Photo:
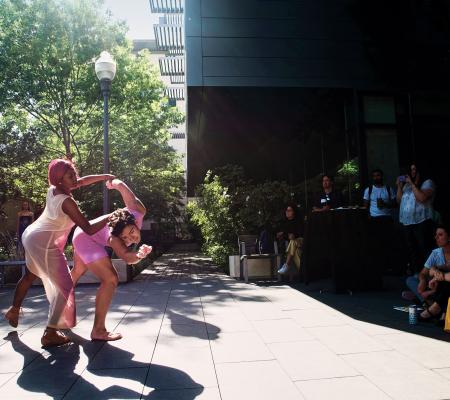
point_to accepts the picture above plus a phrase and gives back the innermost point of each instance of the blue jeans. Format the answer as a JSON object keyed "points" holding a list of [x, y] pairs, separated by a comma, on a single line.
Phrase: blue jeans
{"points": [[413, 282]]}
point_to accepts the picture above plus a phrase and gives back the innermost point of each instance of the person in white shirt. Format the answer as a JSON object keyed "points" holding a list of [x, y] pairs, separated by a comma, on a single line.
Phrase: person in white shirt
{"points": [[415, 195], [380, 200]]}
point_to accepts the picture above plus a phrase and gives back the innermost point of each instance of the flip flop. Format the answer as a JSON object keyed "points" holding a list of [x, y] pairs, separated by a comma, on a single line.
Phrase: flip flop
{"points": [[50, 339], [106, 336]]}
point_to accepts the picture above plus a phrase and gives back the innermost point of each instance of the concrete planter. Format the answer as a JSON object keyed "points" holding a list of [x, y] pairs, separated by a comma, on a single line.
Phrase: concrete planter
{"points": [[124, 271], [256, 267]]}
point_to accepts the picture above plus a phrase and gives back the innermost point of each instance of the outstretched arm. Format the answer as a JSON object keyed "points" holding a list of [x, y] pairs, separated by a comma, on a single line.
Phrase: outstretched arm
{"points": [[129, 198], [90, 179], [127, 255], [71, 209]]}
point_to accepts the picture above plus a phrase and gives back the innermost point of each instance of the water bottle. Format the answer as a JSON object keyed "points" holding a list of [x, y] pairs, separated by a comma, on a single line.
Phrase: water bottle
{"points": [[412, 315]]}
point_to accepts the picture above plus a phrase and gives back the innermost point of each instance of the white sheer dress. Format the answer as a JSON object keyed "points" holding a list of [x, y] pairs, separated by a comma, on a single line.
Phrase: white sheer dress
{"points": [[44, 242]]}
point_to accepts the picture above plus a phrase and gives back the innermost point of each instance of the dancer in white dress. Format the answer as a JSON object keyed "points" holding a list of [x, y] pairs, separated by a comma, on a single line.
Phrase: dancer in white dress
{"points": [[44, 242]]}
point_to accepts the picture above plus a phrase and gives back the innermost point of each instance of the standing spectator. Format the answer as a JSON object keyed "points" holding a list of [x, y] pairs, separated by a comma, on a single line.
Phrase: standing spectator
{"points": [[292, 232], [415, 194], [24, 218], [328, 198], [380, 199]]}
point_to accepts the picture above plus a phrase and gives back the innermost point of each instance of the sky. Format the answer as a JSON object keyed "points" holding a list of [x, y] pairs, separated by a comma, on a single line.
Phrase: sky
{"points": [[137, 15]]}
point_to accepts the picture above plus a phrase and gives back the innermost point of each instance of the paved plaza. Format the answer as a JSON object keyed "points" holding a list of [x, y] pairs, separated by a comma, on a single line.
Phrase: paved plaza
{"points": [[191, 332]]}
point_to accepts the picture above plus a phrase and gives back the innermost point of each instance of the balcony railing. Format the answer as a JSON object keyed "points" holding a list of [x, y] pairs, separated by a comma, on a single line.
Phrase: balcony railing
{"points": [[167, 6], [171, 66], [178, 135], [174, 93], [169, 38], [174, 79]]}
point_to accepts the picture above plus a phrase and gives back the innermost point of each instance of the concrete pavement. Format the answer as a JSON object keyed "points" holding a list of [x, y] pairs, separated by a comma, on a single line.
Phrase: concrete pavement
{"points": [[191, 332]]}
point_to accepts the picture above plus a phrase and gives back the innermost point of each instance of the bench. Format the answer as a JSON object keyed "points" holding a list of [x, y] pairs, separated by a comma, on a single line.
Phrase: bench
{"points": [[14, 263], [124, 271], [248, 252]]}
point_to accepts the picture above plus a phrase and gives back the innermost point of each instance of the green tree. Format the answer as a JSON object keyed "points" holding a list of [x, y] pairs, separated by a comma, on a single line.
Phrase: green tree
{"points": [[47, 53]]}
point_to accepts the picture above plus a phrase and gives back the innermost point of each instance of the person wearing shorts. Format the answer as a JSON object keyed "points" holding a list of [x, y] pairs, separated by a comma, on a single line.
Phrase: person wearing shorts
{"points": [[122, 231]]}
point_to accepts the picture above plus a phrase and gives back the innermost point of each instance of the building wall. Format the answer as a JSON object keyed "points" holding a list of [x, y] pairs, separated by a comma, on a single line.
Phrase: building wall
{"points": [[274, 43], [290, 89]]}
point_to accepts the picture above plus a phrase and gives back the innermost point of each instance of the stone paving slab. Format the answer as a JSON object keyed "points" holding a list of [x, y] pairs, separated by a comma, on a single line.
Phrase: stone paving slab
{"points": [[191, 332]]}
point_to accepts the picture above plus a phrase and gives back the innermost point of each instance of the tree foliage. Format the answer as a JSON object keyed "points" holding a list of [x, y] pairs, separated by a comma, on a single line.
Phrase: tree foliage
{"points": [[47, 53]]}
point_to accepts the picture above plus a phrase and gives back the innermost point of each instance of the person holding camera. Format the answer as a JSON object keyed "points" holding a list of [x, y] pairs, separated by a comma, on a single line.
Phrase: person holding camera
{"points": [[415, 194], [380, 200]]}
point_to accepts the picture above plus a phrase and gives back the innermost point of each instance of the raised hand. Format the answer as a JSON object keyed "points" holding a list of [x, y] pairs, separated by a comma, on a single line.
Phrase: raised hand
{"points": [[144, 251], [113, 183]]}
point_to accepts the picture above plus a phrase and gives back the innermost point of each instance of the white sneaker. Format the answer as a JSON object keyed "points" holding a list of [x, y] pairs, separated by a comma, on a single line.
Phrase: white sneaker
{"points": [[283, 269]]}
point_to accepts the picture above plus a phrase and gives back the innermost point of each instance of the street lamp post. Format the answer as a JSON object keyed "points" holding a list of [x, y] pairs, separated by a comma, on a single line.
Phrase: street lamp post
{"points": [[105, 68]]}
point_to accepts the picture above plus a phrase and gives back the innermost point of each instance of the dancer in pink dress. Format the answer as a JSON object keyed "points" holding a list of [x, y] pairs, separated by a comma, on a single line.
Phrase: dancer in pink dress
{"points": [[122, 231], [44, 242]]}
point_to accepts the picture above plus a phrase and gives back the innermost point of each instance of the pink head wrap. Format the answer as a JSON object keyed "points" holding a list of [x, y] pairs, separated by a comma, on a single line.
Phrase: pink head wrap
{"points": [[56, 170]]}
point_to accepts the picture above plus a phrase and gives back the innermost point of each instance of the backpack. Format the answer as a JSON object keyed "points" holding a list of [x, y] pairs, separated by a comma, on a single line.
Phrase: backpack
{"points": [[265, 242]]}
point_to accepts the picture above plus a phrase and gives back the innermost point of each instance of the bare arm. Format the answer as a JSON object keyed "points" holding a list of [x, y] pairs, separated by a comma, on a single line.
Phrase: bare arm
{"points": [[423, 277], [127, 255], [71, 209], [129, 198], [90, 179], [422, 195]]}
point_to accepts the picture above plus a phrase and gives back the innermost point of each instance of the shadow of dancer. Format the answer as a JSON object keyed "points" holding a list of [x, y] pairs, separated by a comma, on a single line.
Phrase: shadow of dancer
{"points": [[156, 380], [185, 326], [53, 371]]}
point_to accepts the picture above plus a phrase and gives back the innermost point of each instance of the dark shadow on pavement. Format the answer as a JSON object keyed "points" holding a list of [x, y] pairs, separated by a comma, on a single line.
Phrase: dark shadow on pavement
{"points": [[53, 373], [179, 322], [375, 307], [153, 376]]}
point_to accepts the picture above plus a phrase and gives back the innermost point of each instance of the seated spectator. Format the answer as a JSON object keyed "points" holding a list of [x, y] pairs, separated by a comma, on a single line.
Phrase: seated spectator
{"points": [[292, 232], [439, 258], [437, 267], [380, 199], [328, 198]]}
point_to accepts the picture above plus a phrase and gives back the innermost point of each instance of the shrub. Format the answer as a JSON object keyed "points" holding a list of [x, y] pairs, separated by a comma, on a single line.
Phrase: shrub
{"points": [[228, 204]]}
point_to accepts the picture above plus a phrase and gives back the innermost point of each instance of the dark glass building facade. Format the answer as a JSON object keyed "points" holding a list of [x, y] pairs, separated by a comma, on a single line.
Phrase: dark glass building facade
{"points": [[291, 89]]}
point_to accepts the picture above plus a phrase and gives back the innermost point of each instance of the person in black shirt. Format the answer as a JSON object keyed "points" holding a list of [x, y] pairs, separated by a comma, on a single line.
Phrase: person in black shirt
{"points": [[328, 198], [291, 231]]}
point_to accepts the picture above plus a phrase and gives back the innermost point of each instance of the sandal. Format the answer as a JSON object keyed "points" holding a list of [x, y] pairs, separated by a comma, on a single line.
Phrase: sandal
{"points": [[431, 316], [106, 336], [54, 338], [12, 315]]}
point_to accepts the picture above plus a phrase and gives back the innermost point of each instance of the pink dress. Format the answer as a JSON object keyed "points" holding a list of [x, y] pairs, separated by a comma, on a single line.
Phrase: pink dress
{"points": [[91, 248], [44, 242]]}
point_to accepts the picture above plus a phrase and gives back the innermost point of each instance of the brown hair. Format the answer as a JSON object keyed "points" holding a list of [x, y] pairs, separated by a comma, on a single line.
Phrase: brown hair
{"points": [[119, 219]]}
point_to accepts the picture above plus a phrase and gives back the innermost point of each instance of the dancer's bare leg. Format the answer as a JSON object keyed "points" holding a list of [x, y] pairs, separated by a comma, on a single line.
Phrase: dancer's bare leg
{"points": [[22, 287], [109, 280], [79, 268]]}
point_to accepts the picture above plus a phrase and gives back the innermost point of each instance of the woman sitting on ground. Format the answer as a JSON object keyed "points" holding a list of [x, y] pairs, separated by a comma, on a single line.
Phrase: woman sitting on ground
{"points": [[437, 267]]}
